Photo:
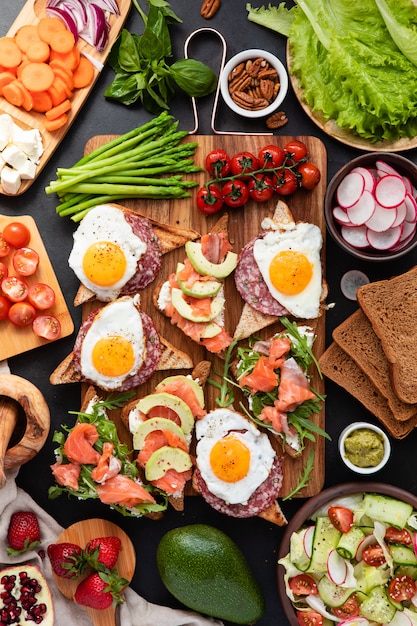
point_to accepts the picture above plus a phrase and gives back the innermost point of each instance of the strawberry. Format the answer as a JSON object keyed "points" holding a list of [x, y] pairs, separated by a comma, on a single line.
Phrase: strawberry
{"points": [[23, 533], [66, 559], [100, 590], [105, 550]]}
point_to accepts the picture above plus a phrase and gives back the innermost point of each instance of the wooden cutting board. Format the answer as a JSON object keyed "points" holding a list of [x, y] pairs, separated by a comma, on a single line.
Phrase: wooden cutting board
{"points": [[244, 223]]}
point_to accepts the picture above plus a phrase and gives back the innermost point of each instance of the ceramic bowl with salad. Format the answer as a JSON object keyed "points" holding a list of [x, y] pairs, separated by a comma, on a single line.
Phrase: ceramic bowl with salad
{"points": [[348, 557], [370, 206]]}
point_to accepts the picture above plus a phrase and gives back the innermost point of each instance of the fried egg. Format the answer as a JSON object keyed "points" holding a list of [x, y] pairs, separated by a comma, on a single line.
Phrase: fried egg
{"points": [[289, 261], [105, 252], [114, 346], [233, 456]]}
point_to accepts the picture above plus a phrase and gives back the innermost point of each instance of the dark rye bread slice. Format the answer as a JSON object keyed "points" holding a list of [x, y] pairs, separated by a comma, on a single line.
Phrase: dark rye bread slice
{"points": [[357, 337], [339, 367], [391, 307]]}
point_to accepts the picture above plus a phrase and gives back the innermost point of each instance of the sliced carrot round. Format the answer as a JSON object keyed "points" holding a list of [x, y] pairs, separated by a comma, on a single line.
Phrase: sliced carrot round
{"points": [[26, 35], [6, 78], [27, 100], [61, 108], [38, 51], [13, 94], [10, 55], [37, 76], [48, 26], [42, 101], [84, 73], [58, 122], [62, 41]]}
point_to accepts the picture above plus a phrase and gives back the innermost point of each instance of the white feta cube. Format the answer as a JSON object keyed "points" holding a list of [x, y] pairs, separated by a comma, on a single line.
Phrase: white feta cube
{"points": [[28, 170], [10, 180], [14, 157], [29, 142], [6, 130]]}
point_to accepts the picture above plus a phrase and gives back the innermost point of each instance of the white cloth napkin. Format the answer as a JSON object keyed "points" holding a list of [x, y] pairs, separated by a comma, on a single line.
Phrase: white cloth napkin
{"points": [[136, 611]]}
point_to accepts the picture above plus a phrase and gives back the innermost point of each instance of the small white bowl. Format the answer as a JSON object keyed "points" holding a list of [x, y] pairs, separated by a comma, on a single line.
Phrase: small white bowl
{"points": [[241, 57], [363, 426]]}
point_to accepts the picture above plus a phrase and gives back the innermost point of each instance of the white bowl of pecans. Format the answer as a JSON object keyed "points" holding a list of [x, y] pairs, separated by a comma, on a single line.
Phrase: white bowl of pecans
{"points": [[254, 83]]}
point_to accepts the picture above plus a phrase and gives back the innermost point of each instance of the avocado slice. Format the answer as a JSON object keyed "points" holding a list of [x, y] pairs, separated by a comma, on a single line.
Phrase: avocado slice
{"points": [[186, 311], [170, 401], [205, 570], [166, 458], [206, 267], [188, 381], [200, 289], [155, 423]]}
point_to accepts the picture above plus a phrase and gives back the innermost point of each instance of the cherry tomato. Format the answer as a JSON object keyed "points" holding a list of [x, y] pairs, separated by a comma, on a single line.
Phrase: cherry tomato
{"points": [[16, 234], [286, 183], [296, 151], [21, 314], [349, 609], [209, 199], [373, 555], [4, 272], [310, 175], [4, 247], [303, 585], [402, 588], [47, 327], [25, 261], [261, 188], [5, 305], [397, 535], [235, 193], [310, 618], [41, 296], [218, 163], [341, 517], [15, 288], [271, 156], [243, 163]]}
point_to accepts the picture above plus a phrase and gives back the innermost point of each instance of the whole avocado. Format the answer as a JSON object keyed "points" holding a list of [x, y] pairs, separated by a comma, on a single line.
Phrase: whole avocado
{"points": [[206, 571]]}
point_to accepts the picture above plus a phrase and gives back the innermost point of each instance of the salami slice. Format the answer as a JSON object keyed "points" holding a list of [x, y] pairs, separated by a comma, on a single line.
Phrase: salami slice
{"points": [[262, 498], [150, 262], [251, 285]]}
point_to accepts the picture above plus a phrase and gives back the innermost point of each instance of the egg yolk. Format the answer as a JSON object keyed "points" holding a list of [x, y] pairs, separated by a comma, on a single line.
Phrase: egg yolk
{"points": [[104, 263], [230, 459], [290, 272], [113, 356]]}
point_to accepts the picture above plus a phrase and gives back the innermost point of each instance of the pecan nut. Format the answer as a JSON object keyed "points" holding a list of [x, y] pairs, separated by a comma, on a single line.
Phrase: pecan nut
{"points": [[253, 84], [209, 8], [276, 120]]}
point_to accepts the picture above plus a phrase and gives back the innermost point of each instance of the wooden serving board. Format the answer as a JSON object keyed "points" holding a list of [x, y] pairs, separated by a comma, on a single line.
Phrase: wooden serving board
{"points": [[31, 13], [244, 224], [14, 339], [81, 533]]}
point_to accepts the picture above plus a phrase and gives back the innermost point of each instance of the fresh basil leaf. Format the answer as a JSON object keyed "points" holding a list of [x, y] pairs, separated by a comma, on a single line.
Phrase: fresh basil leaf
{"points": [[126, 88], [150, 47], [158, 25], [129, 56], [165, 9], [193, 77]]}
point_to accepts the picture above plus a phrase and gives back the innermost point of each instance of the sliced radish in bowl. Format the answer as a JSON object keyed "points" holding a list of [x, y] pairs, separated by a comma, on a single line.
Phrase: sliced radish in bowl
{"points": [[386, 240], [350, 189], [336, 568], [360, 212], [390, 191]]}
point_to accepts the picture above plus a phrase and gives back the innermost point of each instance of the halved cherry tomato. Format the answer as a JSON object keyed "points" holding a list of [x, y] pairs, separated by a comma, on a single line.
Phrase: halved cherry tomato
{"points": [[349, 609], [16, 234], [41, 296], [261, 188], [209, 199], [243, 163], [373, 555], [310, 175], [4, 272], [47, 327], [296, 151], [25, 261], [21, 314], [341, 517], [271, 156], [15, 288], [4, 247], [303, 585], [218, 163], [402, 588], [286, 183], [235, 193], [310, 618], [398, 535], [5, 305]]}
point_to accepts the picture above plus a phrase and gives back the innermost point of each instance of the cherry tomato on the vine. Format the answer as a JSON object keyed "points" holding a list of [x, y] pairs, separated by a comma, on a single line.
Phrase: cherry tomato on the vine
{"points": [[261, 187], [47, 327], [218, 163], [243, 163], [310, 175], [303, 585], [21, 314], [271, 156], [402, 588], [310, 618], [235, 193], [296, 150], [286, 182], [349, 609], [16, 234], [209, 199], [5, 305], [25, 261]]}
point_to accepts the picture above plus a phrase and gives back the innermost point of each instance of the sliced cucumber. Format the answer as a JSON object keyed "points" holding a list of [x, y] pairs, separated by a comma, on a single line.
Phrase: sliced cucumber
{"points": [[403, 555], [331, 594], [326, 538], [298, 555], [377, 608], [406, 570], [349, 542], [388, 510]]}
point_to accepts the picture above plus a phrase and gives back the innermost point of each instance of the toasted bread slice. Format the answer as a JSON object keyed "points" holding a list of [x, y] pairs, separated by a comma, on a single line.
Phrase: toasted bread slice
{"points": [[170, 237]]}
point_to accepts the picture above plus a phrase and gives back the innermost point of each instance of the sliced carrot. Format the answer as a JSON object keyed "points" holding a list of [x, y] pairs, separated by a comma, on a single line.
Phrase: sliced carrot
{"points": [[27, 100], [48, 26], [5, 79], [42, 101], [57, 111], [10, 55], [38, 51], [58, 122], [62, 41], [64, 75], [84, 73], [61, 85], [26, 35], [70, 59], [57, 94], [37, 76], [13, 94], [20, 68]]}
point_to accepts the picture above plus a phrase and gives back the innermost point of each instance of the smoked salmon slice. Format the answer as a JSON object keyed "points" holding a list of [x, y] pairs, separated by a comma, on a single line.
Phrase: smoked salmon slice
{"points": [[215, 246], [107, 466], [294, 388], [262, 378], [78, 446], [173, 481], [124, 491], [179, 387], [155, 440], [66, 474]]}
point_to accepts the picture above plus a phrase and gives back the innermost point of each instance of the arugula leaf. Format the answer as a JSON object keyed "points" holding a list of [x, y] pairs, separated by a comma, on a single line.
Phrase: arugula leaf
{"points": [[304, 477]]}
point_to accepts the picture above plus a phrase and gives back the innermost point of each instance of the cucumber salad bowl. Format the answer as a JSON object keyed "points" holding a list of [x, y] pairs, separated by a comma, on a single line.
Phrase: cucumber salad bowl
{"points": [[348, 558]]}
